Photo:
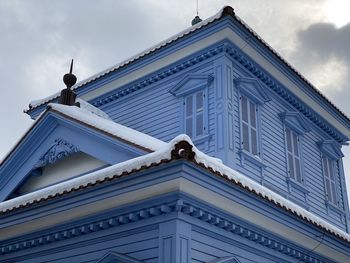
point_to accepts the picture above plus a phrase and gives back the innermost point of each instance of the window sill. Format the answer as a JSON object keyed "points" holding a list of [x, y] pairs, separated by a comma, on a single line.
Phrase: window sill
{"points": [[334, 207], [297, 185], [251, 158], [202, 138]]}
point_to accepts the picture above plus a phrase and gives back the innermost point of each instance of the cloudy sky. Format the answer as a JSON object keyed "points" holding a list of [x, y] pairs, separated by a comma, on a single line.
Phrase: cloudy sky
{"points": [[39, 37]]}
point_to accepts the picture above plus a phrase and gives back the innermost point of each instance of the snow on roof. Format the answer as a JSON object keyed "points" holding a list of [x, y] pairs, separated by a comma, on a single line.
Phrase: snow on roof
{"points": [[165, 154], [92, 109], [98, 119], [85, 115]]}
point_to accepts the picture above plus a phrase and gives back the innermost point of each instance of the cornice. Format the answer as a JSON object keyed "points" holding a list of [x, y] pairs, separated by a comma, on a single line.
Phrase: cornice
{"points": [[180, 206]]}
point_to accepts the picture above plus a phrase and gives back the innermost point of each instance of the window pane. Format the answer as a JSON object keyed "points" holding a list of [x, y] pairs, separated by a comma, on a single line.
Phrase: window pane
{"points": [[325, 167], [252, 114], [297, 170], [295, 144], [254, 142], [199, 101], [289, 141], [244, 107], [199, 124], [291, 166], [189, 106], [328, 190], [189, 127], [330, 167], [245, 137], [334, 199]]}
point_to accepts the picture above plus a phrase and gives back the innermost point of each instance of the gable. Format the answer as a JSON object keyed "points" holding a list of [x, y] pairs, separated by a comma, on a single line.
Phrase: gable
{"points": [[57, 148]]}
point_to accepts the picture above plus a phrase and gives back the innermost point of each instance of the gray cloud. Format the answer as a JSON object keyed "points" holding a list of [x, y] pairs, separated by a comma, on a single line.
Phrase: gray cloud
{"points": [[323, 40]]}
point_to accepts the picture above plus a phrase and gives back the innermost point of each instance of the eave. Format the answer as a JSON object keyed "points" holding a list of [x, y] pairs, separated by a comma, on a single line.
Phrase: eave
{"points": [[180, 148]]}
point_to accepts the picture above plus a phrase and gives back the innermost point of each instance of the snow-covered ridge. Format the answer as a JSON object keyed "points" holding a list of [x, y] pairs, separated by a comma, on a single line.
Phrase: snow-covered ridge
{"points": [[164, 153]]}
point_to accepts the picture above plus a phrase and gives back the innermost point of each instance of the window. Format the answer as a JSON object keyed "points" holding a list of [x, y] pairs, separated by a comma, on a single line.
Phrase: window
{"points": [[295, 127], [329, 179], [192, 92], [293, 155], [252, 96], [194, 114], [331, 155], [249, 133]]}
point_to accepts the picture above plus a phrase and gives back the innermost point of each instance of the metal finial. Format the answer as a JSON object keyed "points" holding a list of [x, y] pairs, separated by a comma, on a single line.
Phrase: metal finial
{"points": [[67, 95], [70, 79], [71, 67]]}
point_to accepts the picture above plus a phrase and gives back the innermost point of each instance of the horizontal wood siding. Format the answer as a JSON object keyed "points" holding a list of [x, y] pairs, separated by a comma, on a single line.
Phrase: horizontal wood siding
{"points": [[155, 111]]}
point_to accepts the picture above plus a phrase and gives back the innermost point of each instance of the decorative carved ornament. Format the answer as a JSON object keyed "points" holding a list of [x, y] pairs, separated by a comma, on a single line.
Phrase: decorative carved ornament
{"points": [[57, 151]]}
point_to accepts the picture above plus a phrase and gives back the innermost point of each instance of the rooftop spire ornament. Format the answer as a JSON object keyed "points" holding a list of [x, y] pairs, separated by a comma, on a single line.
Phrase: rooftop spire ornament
{"points": [[67, 95], [196, 19]]}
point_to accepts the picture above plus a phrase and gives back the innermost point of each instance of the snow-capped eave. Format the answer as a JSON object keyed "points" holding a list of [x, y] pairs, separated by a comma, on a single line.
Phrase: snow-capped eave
{"points": [[180, 147], [226, 11]]}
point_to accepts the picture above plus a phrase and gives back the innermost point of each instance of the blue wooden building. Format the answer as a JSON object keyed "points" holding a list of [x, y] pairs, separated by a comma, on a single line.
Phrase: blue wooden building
{"points": [[111, 176]]}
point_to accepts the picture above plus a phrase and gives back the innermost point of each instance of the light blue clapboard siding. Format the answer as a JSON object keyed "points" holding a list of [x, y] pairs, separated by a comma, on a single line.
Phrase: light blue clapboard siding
{"points": [[155, 111]]}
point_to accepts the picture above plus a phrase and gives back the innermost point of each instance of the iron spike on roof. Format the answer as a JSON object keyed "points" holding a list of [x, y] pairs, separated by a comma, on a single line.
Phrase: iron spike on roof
{"points": [[67, 95]]}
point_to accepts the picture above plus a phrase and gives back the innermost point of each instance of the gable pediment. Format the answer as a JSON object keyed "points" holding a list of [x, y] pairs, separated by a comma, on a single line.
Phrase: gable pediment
{"points": [[253, 89], [191, 83], [295, 121], [57, 148], [331, 149]]}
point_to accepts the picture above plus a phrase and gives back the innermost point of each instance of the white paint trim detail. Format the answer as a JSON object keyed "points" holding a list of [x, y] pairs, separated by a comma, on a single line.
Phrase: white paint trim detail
{"points": [[185, 186]]}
